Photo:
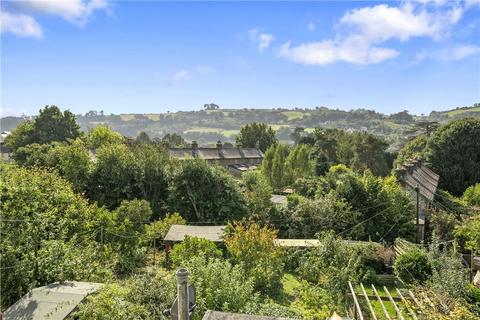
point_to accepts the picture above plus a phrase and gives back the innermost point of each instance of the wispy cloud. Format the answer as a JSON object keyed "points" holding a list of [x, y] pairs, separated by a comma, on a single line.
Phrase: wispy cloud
{"points": [[20, 25], [362, 33], [180, 77], [263, 40], [311, 26], [204, 69], [453, 53], [21, 21]]}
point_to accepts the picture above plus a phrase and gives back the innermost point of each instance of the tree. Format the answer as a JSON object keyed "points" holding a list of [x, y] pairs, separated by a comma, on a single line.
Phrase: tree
{"points": [[219, 285], [415, 148], [21, 136], [45, 228], [402, 117], [53, 125], [100, 136], [73, 163], [454, 154], [273, 166], [413, 266], [299, 164], [258, 195], [297, 134], [113, 177], [203, 192], [191, 247], [471, 196], [143, 138], [254, 247], [256, 134], [173, 140]]}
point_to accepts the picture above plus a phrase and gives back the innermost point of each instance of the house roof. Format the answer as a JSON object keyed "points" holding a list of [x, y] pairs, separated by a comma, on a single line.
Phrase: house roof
{"points": [[3, 135], [242, 167], [416, 173], [216, 153], [54, 301], [217, 315], [178, 232]]}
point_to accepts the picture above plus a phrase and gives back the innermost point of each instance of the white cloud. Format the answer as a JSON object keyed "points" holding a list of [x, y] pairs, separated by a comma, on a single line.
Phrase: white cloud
{"points": [[21, 21], [263, 40], [311, 26], [454, 53], [180, 77], [20, 25], [361, 33], [77, 12], [326, 52]]}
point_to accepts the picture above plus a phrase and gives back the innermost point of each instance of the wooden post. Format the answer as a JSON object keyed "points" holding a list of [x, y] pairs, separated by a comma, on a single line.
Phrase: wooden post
{"points": [[417, 224], [182, 294], [357, 305], [374, 316], [101, 235]]}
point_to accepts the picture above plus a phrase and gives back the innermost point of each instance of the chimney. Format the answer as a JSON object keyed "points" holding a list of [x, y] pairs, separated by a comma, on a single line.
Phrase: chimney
{"points": [[219, 144], [194, 144]]}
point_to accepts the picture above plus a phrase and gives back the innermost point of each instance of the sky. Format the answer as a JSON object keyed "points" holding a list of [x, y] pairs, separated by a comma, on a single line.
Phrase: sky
{"points": [[153, 57]]}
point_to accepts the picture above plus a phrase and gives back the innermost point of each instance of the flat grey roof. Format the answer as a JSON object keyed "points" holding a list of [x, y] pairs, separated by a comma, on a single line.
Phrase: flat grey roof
{"points": [[178, 232], [54, 301]]}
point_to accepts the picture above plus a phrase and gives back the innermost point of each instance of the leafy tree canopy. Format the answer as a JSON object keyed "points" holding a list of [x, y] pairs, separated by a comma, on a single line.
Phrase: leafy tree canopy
{"points": [[256, 134]]}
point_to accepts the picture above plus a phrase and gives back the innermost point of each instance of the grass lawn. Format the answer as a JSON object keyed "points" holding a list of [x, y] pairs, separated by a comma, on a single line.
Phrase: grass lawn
{"points": [[230, 133], [204, 129], [127, 117]]}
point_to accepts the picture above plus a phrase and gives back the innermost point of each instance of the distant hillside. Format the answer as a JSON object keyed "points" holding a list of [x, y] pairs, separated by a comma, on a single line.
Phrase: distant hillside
{"points": [[209, 126]]}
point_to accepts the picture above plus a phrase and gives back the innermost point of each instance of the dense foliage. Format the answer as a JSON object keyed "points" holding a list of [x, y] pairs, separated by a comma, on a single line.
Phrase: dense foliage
{"points": [[255, 135]]}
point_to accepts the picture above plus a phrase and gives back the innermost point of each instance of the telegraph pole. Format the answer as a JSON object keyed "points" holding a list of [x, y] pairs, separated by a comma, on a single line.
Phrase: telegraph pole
{"points": [[417, 238], [182, 294]]}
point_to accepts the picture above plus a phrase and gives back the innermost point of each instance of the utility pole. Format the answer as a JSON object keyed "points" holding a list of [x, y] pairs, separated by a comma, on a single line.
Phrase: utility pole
{"points": [[417, 238], [182, 294]]}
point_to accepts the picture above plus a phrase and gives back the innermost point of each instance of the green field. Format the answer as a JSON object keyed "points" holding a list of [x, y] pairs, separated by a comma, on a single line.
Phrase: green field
{"points": [[460, 111], [292, 115]]}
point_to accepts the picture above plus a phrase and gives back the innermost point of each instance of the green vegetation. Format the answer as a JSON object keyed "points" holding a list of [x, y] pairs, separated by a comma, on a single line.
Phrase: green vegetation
{"points": [[96, 207]]}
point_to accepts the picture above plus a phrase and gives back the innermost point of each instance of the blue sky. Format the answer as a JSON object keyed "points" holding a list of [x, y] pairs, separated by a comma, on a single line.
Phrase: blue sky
{"points": [[151, 57]]}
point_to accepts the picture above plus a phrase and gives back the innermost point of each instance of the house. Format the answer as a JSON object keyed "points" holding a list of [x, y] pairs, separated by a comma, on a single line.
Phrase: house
{"points": [[419, 180], [236, 160], [55, 301], [5, 153]]}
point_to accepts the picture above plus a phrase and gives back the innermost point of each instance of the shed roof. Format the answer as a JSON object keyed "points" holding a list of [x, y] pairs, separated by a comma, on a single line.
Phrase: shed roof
{"points": [[416, 173], [278, 199], [217, 315], [299, 243], [54, 301], [178, 232]]}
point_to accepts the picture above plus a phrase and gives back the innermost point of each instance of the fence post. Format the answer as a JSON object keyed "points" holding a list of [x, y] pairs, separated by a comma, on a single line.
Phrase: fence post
{"points": [[182, 294]]}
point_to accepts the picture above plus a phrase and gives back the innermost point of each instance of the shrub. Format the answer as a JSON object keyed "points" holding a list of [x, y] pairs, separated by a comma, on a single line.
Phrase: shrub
{"points": [[254, 247], [193, 247], [413, 266]]}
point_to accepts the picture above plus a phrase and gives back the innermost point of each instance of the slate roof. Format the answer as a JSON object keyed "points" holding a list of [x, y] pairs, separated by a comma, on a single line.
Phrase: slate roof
{"points": [[216, 153], [178, 232], [217, 315], [416, 173], [3, 135], [54, 301]]}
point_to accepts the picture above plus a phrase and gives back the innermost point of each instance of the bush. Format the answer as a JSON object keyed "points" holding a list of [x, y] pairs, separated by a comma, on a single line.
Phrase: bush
{"points": [[413, 266], [193, 247], [254, 247], [219, 285]]}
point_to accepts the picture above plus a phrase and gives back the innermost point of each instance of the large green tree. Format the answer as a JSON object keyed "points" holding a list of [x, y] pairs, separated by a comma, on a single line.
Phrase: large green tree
{"points": [[203, 192], [454, 153], [256, 134]]}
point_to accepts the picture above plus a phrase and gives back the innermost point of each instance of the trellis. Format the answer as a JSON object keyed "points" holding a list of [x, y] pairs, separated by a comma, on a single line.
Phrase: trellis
{"points": [[404, 304]]}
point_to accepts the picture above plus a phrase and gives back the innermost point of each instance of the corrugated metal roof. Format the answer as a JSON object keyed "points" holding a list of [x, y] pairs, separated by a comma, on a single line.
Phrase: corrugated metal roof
{"points": [[417, 173], [217, 315], [55, 301], [178, 232]]}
